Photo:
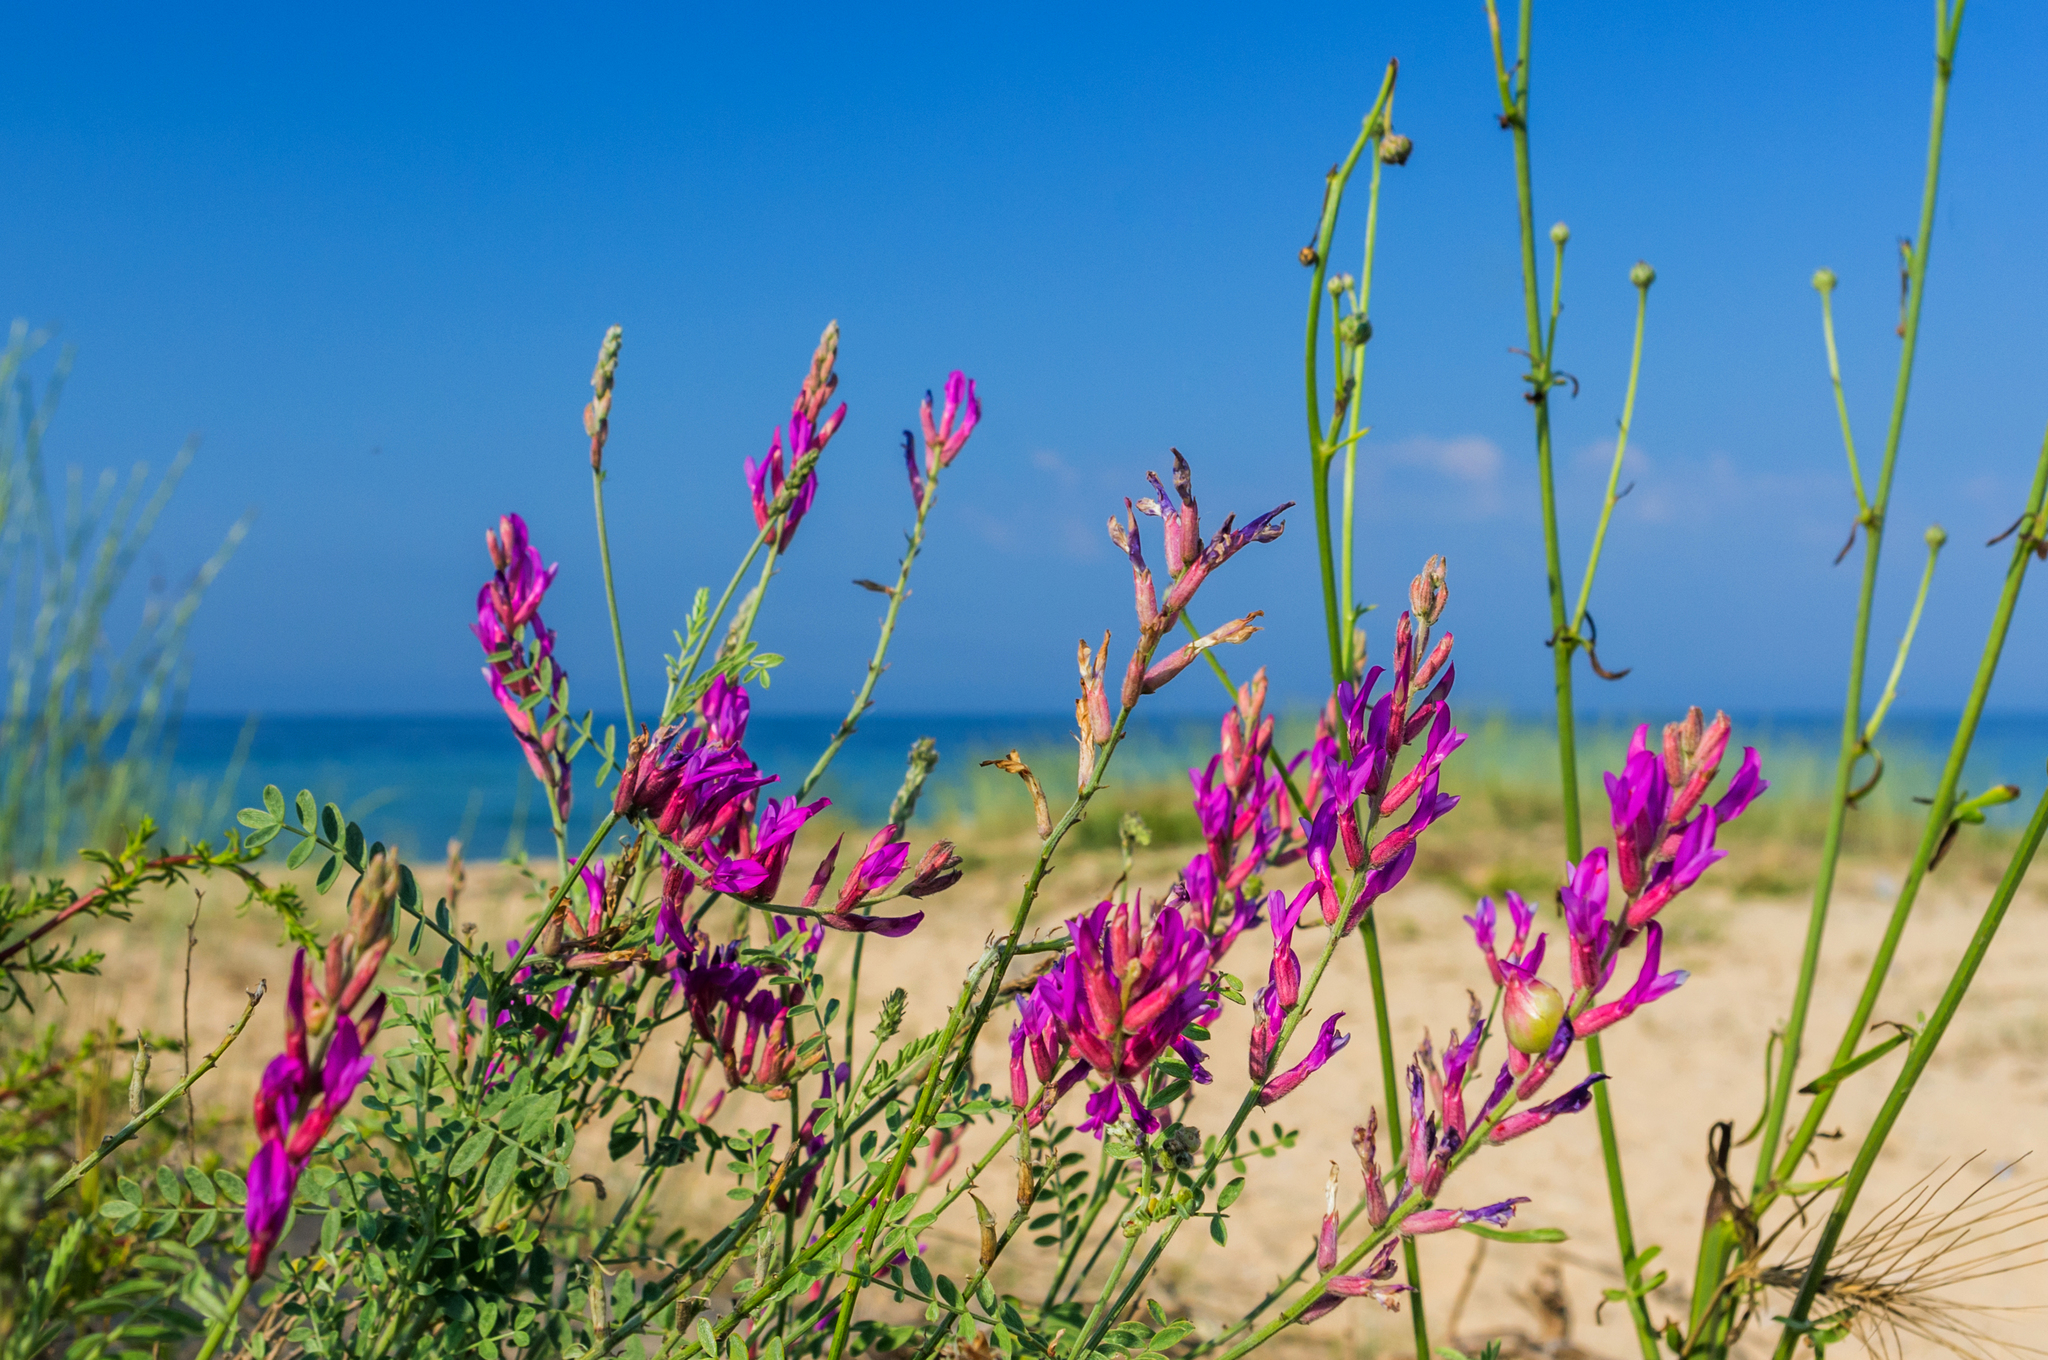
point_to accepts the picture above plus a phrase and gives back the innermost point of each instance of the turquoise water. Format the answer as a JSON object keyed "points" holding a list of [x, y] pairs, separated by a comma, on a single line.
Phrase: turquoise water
{"points": [[419, 780]]}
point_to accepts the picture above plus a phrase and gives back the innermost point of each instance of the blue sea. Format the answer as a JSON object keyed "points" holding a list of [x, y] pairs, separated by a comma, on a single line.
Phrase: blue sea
{"points": [[421, 780]]}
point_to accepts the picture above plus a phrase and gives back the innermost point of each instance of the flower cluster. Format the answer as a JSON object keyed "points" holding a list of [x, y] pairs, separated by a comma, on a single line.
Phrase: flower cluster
{"points": [[1278, 998], [808, 432], [325, 1056], [723, 993], [1114, 1003], [943, 438], [1355, 786], [1241, 806], [1189, 563], [519, 650], [1664, 831]]}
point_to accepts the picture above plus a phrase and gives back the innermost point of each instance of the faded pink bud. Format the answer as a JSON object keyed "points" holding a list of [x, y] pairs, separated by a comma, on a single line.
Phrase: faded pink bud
{"points": [[1237, 630]]}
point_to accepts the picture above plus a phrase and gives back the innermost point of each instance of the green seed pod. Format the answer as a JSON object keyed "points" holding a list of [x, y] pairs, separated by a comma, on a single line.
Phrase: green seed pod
{"points": [[1642, 276], [1824, 280], [1559, 234]]}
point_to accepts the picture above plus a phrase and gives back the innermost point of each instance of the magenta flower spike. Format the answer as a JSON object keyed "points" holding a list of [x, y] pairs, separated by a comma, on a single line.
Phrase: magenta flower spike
{"points": [[519, 653], [304, 1088], [944, 440], [1123, 995], [805, 434], [724, 709]]}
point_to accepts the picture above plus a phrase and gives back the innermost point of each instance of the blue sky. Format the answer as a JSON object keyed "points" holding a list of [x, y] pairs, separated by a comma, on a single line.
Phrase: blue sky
{"points": [[368, 253]]}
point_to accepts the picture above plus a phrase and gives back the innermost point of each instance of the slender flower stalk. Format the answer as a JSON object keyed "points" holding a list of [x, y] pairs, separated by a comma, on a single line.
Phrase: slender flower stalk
{"points": [[1542, 378], [1948, 24], [597, 424], [943, 441]]}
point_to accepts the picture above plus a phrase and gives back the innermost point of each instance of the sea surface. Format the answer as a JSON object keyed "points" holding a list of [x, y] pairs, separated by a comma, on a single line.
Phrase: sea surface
{"points": [[421, 780]]}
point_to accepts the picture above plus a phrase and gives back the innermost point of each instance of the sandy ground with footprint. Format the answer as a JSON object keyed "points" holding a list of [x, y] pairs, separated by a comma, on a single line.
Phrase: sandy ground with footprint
{"points": [[1686, 1062]]}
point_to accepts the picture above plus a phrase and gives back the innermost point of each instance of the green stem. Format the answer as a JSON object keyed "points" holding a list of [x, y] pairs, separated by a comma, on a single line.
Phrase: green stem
{"points": [[611, 597], [1827, 330], [1917, 1058], [1318, 441], [1106, 1173], [229, 1311], [1514, 90], [1369, 935], [2028, 538], [1084, 1340], [1948, 26], [1935, 538], [862, 700], [170, 1097], [1628, 412]]}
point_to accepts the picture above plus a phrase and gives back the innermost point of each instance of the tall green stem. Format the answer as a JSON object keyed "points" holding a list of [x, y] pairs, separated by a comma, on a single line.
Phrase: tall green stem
{"points": [[1337, 598], [2029, 538], [611, 596], [1949, 14], [1321, 441], [1917, 1058], [862, 700], [1514, 93]]}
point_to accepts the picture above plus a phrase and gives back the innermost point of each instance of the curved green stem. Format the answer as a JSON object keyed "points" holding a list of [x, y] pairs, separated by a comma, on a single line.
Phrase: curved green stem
{"points": [[863, 699], [164, 1102], [611, 596], [1827, 328], [1628, 413], [1891, 685]]}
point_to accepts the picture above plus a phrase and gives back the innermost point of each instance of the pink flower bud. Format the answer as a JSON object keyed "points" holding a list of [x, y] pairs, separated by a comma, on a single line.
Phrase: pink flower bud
{"points": [[1531, 1008]]}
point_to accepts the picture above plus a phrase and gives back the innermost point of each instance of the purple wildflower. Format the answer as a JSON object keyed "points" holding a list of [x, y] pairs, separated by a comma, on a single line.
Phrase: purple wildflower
{"points": [[528, 683], [1123, 995], [1525, 1121], [944, 440], [1649, 986], [1443, 1220], [1327, 1044]]}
